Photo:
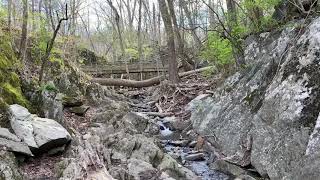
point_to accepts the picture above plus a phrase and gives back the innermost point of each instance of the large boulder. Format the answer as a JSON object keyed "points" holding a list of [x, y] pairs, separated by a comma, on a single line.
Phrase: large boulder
{"points": [[51, 106], [40, 134], [264, 115], [12, 143]]}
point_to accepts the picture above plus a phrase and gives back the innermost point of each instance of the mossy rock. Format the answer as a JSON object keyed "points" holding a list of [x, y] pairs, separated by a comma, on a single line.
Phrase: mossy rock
{"points": [[69, 101], [13, 95], [10, 87]]}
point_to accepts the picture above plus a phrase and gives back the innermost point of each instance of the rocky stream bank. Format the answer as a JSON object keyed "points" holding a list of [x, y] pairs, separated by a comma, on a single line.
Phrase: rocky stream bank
{"points": [[260, 123]]}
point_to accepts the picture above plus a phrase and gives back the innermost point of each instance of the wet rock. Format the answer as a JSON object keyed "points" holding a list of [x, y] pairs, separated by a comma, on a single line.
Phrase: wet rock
{"points": [[194, 157], [152, 129], [181, 143], [175, 170], [192, 144], [40, 134], [79, 110], [8, 166], [176, 124], [147, 150], [136, 121]]}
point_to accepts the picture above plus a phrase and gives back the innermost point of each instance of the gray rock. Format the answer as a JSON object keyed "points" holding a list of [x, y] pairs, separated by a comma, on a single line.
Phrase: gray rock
{"points": [[49, 134], [69, 101], [8, 167], [264, 115], [14, 146], [195, 157], [79, 110], [175, 170], [5, 133], [20, 120], [141, 170], [52, 107], [181, 143], [136, 120], [193, 144], [176, 124], [40, 134], [226, 167]]}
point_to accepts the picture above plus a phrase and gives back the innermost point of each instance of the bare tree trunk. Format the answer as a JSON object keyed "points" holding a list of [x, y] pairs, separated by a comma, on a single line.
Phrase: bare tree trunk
{"points": [[23, 40], [50, 44], [186, 61], [144, 83], [139, 39], [9, 14], [255, 14], [13, 14], [232, 13], [173, 65], [191, 25], [33, 14], [211, 15]]}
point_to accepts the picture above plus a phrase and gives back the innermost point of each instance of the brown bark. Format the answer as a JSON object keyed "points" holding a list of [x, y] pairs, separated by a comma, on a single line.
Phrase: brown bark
{"points": [[144, 83], [139, 39], [191, 24], [173, 65], [23, 40], [9, 14], [117, 20], [186, 61], [50, 44]]}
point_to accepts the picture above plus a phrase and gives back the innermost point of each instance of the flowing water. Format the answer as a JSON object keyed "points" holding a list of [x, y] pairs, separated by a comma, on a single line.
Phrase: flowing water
{"points": [[200, 167]]}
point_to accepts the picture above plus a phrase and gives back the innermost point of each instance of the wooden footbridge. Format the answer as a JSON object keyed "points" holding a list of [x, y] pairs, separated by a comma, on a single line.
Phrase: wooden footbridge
{"points": [[147, 69]]}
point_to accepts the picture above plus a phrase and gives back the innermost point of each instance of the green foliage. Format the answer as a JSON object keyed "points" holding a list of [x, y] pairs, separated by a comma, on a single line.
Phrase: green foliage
{"points": [[12, 95], [267, 7], [48, 87], [218, 51], [10, 88], [132, 53]]}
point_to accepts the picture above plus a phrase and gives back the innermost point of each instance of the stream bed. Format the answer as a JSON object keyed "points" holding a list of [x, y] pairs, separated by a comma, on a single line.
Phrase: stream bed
{"points": [[185, 152]]}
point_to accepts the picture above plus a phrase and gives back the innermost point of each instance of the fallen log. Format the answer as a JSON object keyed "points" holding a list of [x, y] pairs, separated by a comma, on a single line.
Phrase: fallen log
{"points": [[144, 83]]}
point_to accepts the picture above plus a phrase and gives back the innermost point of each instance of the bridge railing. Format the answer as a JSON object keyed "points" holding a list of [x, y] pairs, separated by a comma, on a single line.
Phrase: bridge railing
{"points": [[121, 67]]}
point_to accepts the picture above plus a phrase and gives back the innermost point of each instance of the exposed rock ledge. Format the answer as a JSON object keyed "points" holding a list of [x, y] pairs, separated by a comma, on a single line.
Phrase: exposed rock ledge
{"points": [[267, 115]]}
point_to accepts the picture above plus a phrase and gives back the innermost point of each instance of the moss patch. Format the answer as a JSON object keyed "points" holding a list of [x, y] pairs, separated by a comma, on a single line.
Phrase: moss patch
{"points": [[10, 87]]}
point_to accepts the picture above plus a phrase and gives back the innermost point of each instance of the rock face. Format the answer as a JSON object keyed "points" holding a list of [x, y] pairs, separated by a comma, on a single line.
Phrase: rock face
{"points": [[40, 134], [8, 166], [52, 105], [267, 115]]}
